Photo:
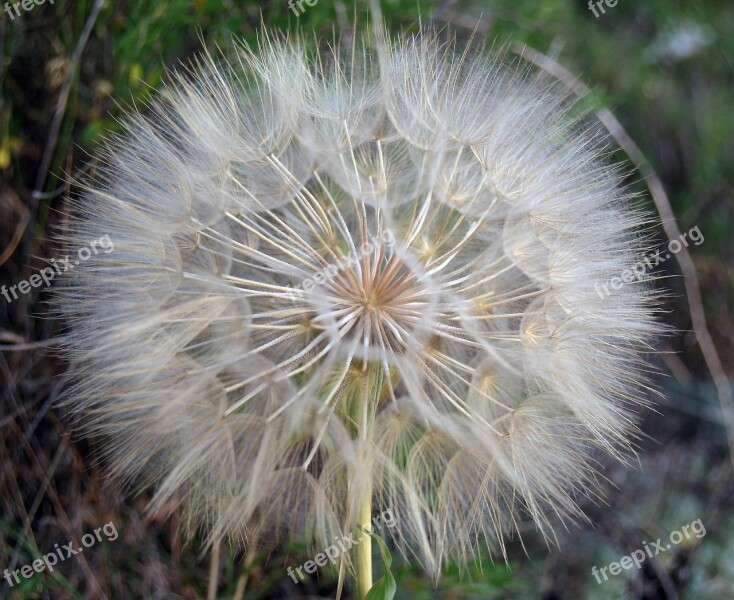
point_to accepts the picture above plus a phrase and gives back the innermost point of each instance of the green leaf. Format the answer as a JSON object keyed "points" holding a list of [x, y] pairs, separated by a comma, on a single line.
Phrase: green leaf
{"points": [[385, 587]]}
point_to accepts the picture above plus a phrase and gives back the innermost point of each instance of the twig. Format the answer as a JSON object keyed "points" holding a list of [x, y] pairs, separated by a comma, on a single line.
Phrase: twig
{"points": [[32, 345], [214, 572], [59, 113], [17, 236], [676, 366], [239, 592], [670, 226], [664, 579]]}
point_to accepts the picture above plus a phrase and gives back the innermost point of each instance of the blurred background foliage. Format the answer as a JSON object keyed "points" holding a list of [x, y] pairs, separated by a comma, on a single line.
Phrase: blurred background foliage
{"points": [[665, 68]]}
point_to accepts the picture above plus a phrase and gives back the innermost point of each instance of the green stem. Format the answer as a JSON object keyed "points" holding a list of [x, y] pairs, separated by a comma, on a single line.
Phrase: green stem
{"points": [[363, 412], [363, 549]]}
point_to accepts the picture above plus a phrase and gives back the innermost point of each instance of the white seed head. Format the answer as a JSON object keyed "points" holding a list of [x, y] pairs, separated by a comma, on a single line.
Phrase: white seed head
{"points": [[406, 231]]}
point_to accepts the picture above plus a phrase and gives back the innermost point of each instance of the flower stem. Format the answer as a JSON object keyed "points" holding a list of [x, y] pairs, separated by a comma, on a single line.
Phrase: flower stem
{"points": [[363, 552], [214, 572], [363, 413]]}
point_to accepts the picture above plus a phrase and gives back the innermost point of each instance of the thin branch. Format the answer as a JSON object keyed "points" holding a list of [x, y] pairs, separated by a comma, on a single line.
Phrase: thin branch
{"points": [[60, 111], [214, 572]]}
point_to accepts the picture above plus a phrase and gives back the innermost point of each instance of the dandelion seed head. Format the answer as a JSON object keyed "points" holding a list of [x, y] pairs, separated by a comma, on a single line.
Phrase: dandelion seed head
{"points": [[293, 230]]}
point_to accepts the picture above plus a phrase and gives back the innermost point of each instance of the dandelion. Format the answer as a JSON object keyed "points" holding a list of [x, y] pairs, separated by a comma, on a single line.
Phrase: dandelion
{"points": [[465, 375]]}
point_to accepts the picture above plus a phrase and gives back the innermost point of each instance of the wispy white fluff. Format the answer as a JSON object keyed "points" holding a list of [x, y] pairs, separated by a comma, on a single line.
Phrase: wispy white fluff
{"points": [[502, 372]]}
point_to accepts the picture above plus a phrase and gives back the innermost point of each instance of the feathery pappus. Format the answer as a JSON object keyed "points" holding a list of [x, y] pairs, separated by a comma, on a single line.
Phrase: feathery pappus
{"points": [[457, 367]]}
